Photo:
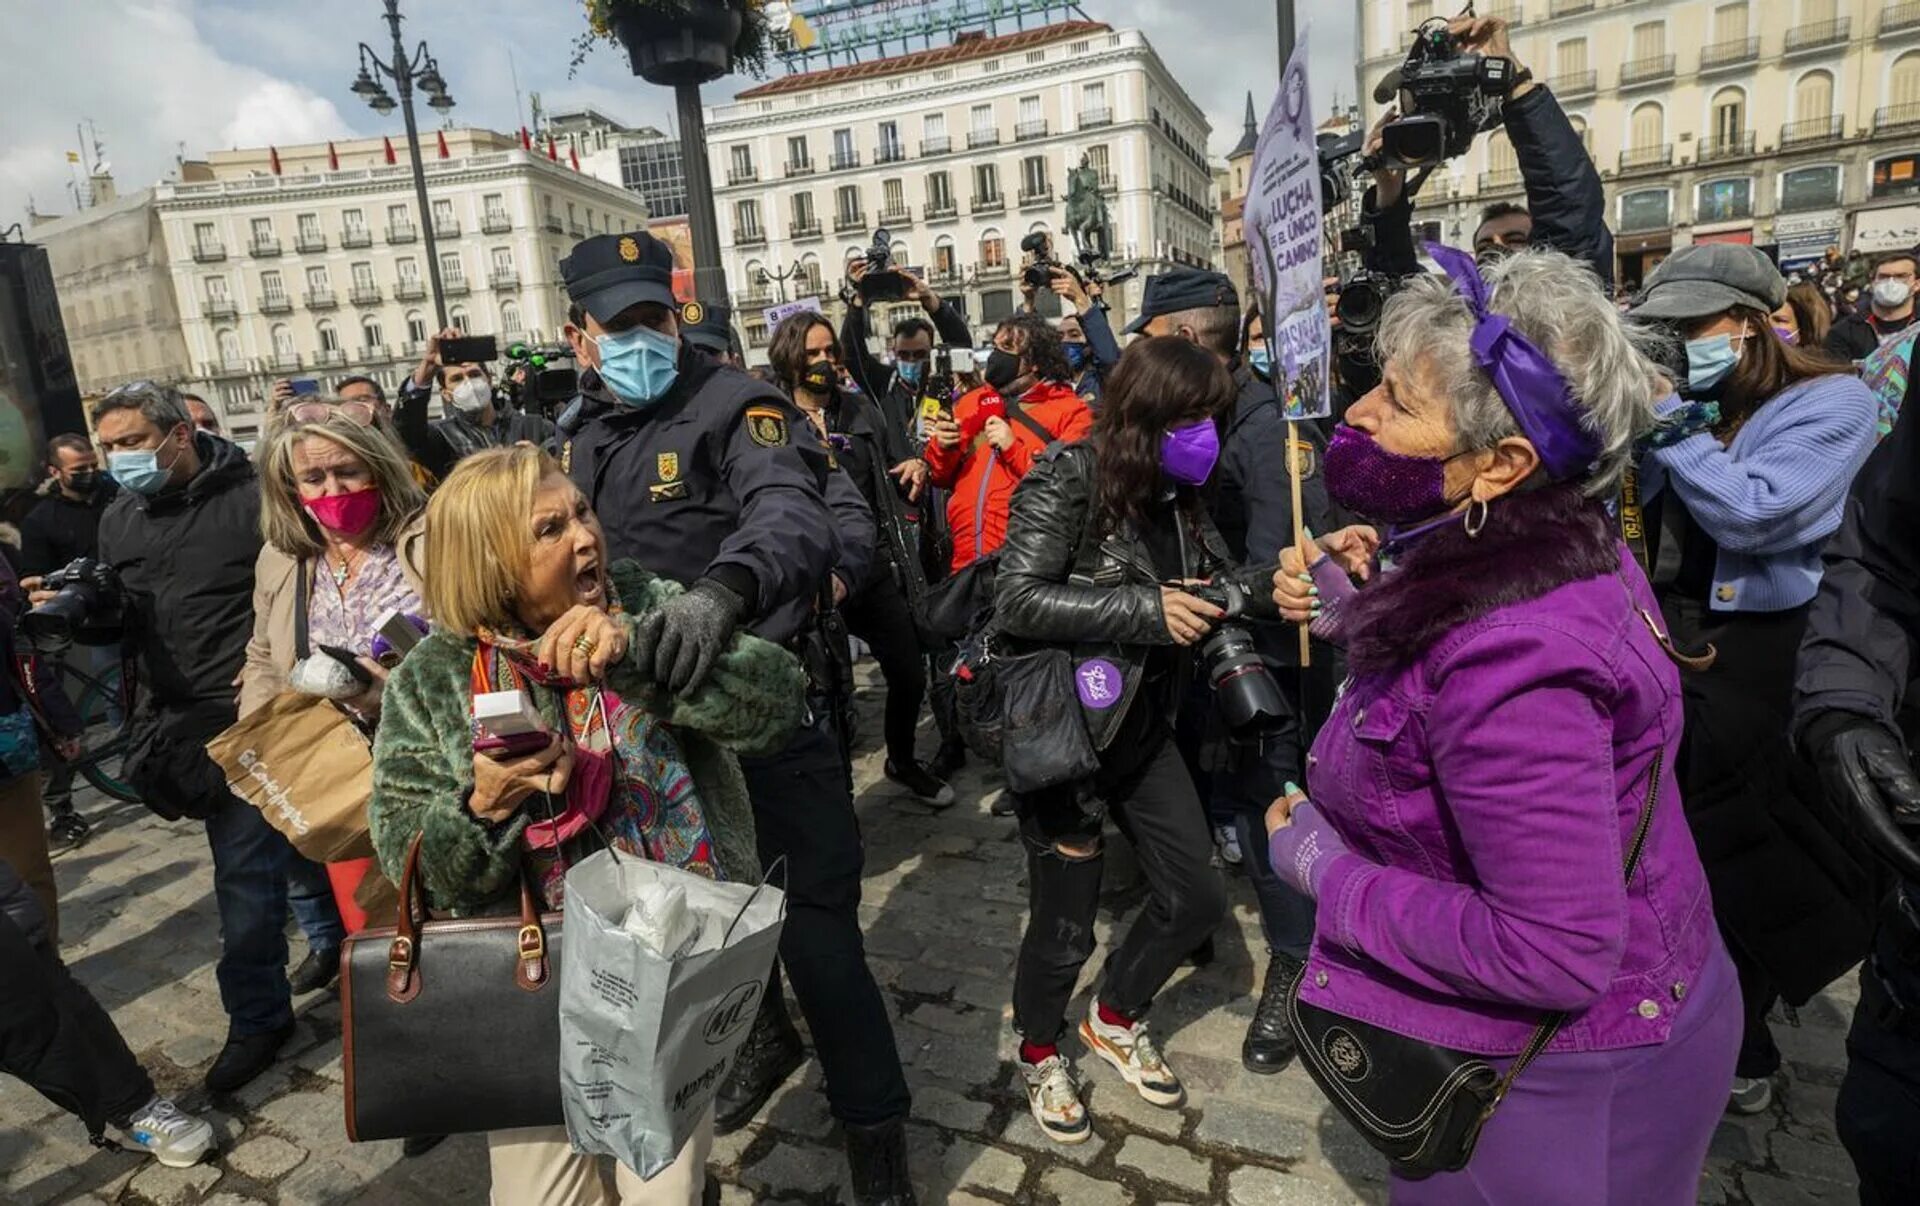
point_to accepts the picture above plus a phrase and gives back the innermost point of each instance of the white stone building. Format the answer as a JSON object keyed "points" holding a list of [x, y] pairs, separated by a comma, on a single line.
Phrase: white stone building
{"points": [[959, 152], [320, 270]]}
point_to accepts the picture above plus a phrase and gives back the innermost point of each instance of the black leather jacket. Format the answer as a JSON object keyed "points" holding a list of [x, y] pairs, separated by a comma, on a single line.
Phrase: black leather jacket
{"points": [[1100, 598]]}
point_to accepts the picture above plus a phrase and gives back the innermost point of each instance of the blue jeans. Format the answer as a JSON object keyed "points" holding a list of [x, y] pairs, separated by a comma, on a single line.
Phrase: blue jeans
{"points": [[252, 868], [310, 896]]}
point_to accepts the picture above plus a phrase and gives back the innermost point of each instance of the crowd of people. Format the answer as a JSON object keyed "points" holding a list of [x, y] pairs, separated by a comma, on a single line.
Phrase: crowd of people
{"points": [[1623, 604]]}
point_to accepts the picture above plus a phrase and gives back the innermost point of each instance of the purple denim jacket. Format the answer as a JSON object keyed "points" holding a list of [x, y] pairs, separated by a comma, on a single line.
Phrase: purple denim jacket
{"points": [[1486, 764]]}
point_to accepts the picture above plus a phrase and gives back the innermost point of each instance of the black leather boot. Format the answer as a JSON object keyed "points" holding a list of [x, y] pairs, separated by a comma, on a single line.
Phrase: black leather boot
{"points": [[1269, 1044], [877, 1158], [770, 1055]]}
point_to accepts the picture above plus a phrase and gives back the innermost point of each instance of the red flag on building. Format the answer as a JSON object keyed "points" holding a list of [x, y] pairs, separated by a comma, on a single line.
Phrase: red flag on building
{"points": [[273, 159], [443, 144], [526, 139], [552, 154], [333, 157], [391, 158], [573, 156]]}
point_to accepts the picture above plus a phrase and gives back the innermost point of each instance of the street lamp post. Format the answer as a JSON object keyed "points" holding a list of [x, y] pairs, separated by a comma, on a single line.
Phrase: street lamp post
{"points": [[406, 71], [780, 279]]}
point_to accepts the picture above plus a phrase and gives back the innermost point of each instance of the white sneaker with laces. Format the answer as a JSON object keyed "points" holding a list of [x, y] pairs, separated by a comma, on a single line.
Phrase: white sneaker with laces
{"points": [[176, 1138], [1131, 1052], [1227, 838], [1055, 1100]]}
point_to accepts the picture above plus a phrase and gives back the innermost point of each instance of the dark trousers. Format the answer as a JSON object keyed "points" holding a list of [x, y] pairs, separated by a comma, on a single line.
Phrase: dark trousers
{"points": [[804, 814], [1155, 806], [56, 1038], [1878, 1110], [880, 616], [250, 861], [1759, 1054]]}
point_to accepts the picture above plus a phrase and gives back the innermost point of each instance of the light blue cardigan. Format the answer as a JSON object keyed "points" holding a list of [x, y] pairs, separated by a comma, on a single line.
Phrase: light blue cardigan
{"points": [[1771, 498]]}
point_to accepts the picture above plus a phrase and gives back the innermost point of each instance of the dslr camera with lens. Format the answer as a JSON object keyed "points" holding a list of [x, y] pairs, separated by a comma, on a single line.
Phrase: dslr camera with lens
{"points": [[882, 281], [86, 597], [1038, 275], [1447, 96], [1244, 690]]}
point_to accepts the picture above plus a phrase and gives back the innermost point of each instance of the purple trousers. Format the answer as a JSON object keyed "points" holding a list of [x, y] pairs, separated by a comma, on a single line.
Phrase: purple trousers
{"points": [[1594, 1128]]}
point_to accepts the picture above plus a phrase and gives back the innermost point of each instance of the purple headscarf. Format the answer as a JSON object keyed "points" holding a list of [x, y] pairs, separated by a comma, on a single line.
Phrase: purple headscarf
{"points": [[1533, 389]]}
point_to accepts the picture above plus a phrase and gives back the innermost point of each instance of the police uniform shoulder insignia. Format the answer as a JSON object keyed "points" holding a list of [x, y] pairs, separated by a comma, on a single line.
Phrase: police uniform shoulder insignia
{"points": [[566, 457], [767, 426], [693, 314], [667, 466], [629, 250]]}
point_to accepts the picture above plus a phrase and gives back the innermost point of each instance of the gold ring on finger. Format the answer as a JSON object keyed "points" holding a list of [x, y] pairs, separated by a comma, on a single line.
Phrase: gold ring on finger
{"points": [[585, 644]]}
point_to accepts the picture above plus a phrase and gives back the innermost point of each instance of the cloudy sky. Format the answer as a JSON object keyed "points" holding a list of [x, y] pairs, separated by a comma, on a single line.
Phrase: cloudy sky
{"points": [[162, 77]]}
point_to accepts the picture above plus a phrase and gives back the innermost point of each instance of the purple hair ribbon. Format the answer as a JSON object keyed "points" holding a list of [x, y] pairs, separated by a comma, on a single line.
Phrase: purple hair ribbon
{"points": [[1533, 389]]}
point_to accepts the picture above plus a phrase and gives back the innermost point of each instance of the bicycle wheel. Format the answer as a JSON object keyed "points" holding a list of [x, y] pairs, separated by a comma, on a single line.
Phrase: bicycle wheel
{"points": [[97, 700]]}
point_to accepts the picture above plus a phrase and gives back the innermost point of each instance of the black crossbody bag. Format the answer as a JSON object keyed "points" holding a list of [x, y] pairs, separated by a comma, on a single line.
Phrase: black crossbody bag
{"points": [[1419, 1104]]}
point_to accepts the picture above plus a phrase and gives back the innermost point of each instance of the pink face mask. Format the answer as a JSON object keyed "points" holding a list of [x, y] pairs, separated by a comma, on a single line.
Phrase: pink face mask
{"points": [[346, 514]]}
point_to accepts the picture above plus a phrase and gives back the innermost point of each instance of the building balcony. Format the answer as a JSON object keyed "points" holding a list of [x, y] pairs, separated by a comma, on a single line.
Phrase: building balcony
{"points": [[941, 211], [413, 349], [496, 224], [1812, 129], [1818, 35], [800, 167], [809, 229], [355, 237], [309, 243], [219, 307], [1569, 8], [1574, 83], [372, 353], [758, 297], [319, 299], [995, 204], [329, 358], [1898, 19], [409, 290], [894, 217], [1734, 146], [1027, 131], [455, 286], [364, 295], [1093, 119], [209, 251], [504, 278], [1653, 69], [264, 248], [982, 138], [994, 272], [239, 366], [751, 236], [1732, 53], [1642, 158], [1499, 180], [402, 232], [1896, 117], [935, 146], [890, 153], [743, 175], [446, 228], [1036, 197], [276, 303], [844, 161], [284, 362], [846, 221], [573, 228], [552, 225]]}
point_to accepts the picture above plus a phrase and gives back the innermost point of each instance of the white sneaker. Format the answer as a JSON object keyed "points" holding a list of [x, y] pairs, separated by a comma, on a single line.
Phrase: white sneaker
{"points": [[1751, 1095], [176, 1138], [1227, 838], [1131, 1052], [1055, 1100]]}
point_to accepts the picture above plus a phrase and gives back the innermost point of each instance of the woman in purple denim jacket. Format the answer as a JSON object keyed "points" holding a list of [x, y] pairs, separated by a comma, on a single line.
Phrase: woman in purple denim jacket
{"points": [[1510, 707]]}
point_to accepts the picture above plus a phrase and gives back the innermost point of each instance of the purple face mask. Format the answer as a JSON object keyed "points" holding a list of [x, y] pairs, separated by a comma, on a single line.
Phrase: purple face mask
{"points": [[1390, 487], [1188, 453]]}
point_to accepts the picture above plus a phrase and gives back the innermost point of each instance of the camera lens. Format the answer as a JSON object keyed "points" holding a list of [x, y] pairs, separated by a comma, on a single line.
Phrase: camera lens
{"points": [[1248, 698], [1359, 305], [1415, 141], [49, 627]]}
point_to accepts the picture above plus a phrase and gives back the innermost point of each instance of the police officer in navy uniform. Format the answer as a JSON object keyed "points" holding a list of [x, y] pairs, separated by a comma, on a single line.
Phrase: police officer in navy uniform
{"points": [[705, 475]]}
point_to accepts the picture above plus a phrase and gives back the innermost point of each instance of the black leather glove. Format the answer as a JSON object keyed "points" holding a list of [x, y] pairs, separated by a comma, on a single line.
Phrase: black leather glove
{"points": [[693, 629], [1866, 771]]}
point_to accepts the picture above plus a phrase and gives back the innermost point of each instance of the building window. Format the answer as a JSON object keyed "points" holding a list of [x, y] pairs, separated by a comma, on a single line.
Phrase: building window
{"points": [[996, 305], [746, 220], [416, 327], [846, 204], [283, 341], [943, 264], [993, 250], [797, 156], [503, 260], [1649, 41], [1033, 176], [510, 318], [939, 191], [229, 344], [1030, 110], [494, 206], [1097, 160], [263, 230], [443, 215], [810, 276], [353, 221], [1093, 99], [1898, 176], [397, 218], [1650, 209], [363, 275], [893, 197], [1724, 200], [370, 333], [933, 127], [1810, 188], [329, 338], [1570, 59], [271, 287], [451, 273], [407, 269], [1903, 85], [986, 183], [982, 119], [1729, 116], [309, 228], [1647, 127], [216, 287], [742, 163], [890, 150], [844, 155], [458, 318], [1730, 22]]}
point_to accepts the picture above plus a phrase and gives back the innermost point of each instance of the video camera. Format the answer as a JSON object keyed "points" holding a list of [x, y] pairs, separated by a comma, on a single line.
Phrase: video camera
{"points": [[1092, 250], [546, 387], [86, 595], [1447, 96], [1249, 699], [882, 282]]}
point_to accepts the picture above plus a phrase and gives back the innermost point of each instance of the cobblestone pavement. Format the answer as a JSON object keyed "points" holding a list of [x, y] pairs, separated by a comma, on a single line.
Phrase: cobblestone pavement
{"points": [[943, 911]]}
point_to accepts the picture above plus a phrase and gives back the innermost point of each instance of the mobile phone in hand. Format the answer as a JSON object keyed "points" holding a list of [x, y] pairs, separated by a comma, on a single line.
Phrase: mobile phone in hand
{"points": [[351, 661], [470, 349], [304, 385], [506, 725]]}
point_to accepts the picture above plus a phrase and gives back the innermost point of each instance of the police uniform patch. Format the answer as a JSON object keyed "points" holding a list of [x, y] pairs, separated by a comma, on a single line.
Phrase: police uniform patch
{"points": [[767, 426], [666, 466], [566, 457], [629, 250], [693, 314]]}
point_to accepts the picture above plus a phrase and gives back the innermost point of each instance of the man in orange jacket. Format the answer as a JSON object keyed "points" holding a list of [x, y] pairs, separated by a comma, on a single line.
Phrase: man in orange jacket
{"points": [[980, 453]]}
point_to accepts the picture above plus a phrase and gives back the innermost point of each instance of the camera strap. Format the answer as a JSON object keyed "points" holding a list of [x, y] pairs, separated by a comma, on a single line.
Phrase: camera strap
{"points": [[1020, 416], [303, 586]]}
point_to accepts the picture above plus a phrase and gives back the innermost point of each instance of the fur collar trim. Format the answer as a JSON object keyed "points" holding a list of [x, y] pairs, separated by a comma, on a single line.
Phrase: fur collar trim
{"points": [[1532, 544]]}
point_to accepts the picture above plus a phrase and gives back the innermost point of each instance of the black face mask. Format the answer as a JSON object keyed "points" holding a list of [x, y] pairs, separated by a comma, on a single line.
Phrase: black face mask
{"points": [[820, 377], [83, 481], [1003, 369]]}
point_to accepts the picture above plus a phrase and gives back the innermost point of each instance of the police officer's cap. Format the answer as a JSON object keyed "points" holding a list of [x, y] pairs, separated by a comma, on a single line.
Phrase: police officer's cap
{"points": [[611, 273], [1182, 289], [714, 330]]}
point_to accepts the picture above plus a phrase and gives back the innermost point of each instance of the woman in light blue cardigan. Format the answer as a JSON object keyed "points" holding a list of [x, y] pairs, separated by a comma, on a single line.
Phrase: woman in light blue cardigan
{"points": [[1735, 498]]}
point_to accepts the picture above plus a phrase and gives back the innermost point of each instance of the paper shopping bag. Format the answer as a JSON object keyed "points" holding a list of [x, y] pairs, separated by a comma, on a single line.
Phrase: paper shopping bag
{"points": [[308, 769]]}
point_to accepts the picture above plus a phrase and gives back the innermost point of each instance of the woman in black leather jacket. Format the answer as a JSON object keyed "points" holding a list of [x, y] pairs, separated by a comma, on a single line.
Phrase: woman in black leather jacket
{"points": [[1097, 529]]}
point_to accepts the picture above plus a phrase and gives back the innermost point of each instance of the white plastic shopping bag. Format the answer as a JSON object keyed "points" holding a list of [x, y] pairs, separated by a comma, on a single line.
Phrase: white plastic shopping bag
{"points": [[664, 973]]}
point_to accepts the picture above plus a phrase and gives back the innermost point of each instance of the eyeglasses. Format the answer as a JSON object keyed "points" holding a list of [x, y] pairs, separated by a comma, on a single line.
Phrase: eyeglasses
{"points": [[360, 414]]}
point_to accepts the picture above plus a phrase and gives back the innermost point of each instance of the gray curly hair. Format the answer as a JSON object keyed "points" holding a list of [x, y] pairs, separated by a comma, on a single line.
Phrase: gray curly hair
{"points": [[1557, 302]]}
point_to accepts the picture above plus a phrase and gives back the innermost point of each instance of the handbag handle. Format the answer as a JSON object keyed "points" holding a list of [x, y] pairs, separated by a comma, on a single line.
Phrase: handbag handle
{"points": [[531, 969]]}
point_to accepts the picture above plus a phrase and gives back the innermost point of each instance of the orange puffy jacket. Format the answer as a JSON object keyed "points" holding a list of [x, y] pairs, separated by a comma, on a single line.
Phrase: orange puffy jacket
{"points": [[981, 479]]}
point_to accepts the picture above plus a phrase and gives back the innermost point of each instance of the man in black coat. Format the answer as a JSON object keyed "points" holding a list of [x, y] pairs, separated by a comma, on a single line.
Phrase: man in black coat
{"points": [[476, 414], [182, 539], [1852, 715], [898, 388]]}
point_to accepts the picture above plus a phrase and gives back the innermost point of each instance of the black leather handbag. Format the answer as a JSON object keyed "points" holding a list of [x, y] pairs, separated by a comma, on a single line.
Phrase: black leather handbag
{"points": [[451, 1026], [1419, 1104]]}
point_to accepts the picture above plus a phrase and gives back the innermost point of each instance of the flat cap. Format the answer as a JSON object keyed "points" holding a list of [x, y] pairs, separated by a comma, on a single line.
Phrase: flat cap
{"points": [[1710, 278]]}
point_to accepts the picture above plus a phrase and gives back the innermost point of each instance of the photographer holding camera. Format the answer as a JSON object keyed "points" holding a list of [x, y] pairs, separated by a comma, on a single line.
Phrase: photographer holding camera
{"points": [[898, 388], [1086, 335], [477, 416]]}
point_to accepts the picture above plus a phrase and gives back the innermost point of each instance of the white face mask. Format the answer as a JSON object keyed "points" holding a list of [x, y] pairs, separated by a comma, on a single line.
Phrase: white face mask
{"points": [[472, 395], [1891, 294]]}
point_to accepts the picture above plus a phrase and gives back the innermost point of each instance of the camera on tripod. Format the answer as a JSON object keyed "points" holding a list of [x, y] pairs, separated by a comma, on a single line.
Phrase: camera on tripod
{"points": [[1244, 690], [86, 596], [1447, 96], [882, 281]]}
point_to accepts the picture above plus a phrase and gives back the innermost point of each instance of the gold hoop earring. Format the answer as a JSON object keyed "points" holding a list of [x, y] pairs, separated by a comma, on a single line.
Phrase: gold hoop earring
{"points": [[1475, 520]]}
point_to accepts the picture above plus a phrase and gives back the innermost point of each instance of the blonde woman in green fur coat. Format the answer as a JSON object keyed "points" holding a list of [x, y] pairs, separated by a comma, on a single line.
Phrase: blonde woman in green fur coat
{"points": [[523, 598]]}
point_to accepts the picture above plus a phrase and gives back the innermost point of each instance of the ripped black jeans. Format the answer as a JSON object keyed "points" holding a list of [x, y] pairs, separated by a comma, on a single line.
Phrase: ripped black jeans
{"points": [[1154, 804]]}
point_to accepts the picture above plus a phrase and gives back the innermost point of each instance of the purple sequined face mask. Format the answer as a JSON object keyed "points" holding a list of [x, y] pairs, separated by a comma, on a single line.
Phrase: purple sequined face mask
{"points": [[1390, 487]]}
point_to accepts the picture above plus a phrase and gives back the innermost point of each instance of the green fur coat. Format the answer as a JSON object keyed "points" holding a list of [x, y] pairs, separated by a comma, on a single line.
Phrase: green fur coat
{"points": [[423, 755]]}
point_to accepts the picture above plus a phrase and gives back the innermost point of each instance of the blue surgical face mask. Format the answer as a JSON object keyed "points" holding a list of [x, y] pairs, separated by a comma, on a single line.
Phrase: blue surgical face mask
{"points": [[1076, 355], [912, 372], [1709, 361], [140, 470], [1262, 362], [640, 365]]}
